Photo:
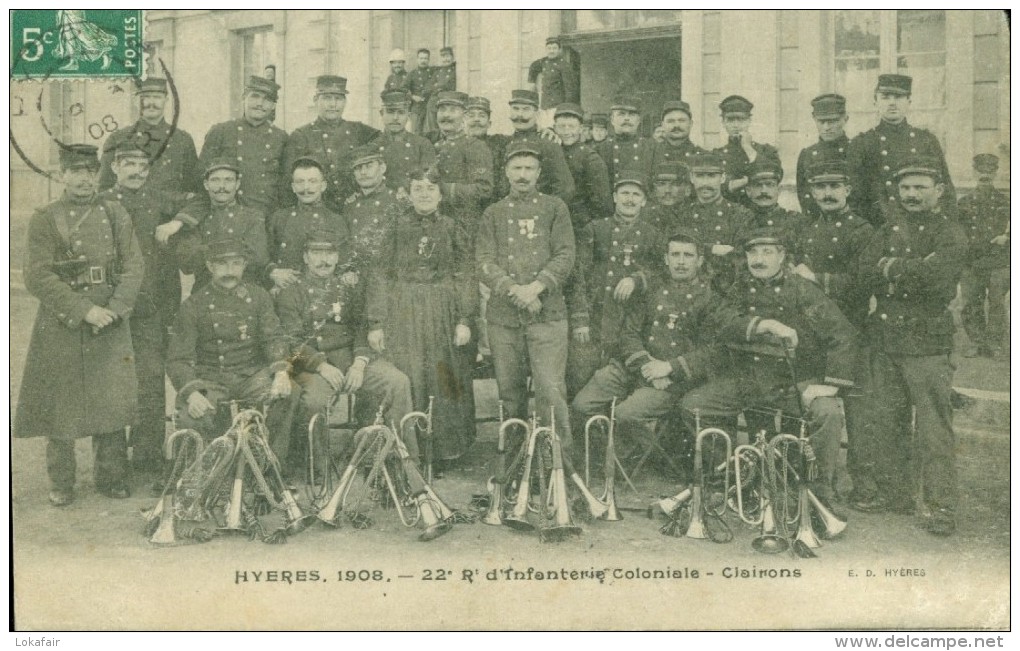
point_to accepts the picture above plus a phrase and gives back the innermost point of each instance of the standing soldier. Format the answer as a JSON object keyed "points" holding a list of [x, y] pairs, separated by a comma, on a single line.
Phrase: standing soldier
{"points": [[625, 149], [403, 151], [85, 268], [984, 215], [875, 155], [331, 139], [443, 78], [465, 164], [369, 212], [224, 217], [419, 82], [556, 178], [912, 266], [171, 151], [829, 112], [525, 253], [477, 121], [253, 145], [762, 190], [397, 81], [671, 197], [559, 79], [599, 127], [676, 145], [289, 228], [592, 194], [740, 148], [152, 214]]}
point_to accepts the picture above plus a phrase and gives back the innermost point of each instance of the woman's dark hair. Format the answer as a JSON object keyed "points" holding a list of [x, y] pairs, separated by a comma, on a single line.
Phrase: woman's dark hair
{"points": [[430, 174]]}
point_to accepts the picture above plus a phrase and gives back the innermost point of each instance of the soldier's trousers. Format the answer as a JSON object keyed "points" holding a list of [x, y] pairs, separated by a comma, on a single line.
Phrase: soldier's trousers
{"points": [[897, 456], [252, 391], [148, 337], [976, 284], [719, 402], [538, 349], [636, 402], [110, 467]]}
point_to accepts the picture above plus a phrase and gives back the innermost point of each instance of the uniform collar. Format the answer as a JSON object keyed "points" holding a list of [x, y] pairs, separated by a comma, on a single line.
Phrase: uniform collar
{"points": [[326, 124], [523, 197], [842, 140], [778, 279], [240, 291], [626, 137], [888, 127], [318, 205], [379, 189], [624, 221], [457, 136], [142, 125], [684, 285], [225, 206], [116, 189], [833, 216], [75, 201], [315, 281]]}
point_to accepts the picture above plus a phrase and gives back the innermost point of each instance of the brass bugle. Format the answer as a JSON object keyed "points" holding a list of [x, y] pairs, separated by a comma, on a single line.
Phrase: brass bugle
{"points": [[612, 514], [562, 527], [329, 512], [518, 519], [234, 520], [423, 421], [434, 522], [596, 507], [497, 483], [165, 533], [769, 541], [696, 529], [670, 504], [832, 525]]}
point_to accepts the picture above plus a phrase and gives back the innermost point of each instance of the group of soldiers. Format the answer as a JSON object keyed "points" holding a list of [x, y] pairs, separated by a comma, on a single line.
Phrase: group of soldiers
{"points": [[655, 273]]}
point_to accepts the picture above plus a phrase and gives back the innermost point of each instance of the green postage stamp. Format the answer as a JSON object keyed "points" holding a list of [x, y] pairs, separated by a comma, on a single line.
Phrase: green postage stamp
{"points": [[77, 43]]}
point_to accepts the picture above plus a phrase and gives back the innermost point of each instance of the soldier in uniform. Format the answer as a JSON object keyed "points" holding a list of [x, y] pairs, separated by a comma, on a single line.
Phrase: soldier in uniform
{"points": [[912, 266], [525, 254], [397, 81], [599, 128], [762, 374], [158, 296], [85, 268], [465, 164], [223, 217], [740, 148], [762, 190], [715, 219], [477, 121], [290, 227], [592, 196], [331, 139], [369, 212], [625, 149], [403, 151], [667, 344], [671, 196], [676, 145], [227, 344], [323, 314], [984, 215], [875, 155], [419, 83], [556, 178], [443, 78], [253, 145], [829, 113], [558, 75], [171, 151]]}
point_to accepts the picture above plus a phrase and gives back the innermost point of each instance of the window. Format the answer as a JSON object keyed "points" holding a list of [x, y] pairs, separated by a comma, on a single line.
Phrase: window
{"points": [[921, 53], [590, 20], [255, 49], [857, 48]]}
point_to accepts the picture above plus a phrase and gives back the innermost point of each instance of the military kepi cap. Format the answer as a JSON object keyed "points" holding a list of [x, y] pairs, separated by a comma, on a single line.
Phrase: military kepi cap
{"points": [[829, 105], [764, 167], [307, 161], [479, 103], [454, 97], [151, 85], [600, 119], [921, 165], [365, 154], [896, 84], [629, 177], [221, 164], [735, 104], [986, 162], [828, 171], [522, 96], [569, 108], [670, 170], [523, 148], [77, 156], [270, 88], [707, 161], [396, 98], [321, 239], [625, 103], [228, 247], [676, 105], [764, 235], [129, 149], [330, 85]]}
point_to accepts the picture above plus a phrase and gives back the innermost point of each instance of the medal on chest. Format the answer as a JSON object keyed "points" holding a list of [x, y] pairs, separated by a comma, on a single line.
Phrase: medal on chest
{"points": [[243, 328], [336, 310], [426, 246], [628, 251], [673, 318], [527, 228]]}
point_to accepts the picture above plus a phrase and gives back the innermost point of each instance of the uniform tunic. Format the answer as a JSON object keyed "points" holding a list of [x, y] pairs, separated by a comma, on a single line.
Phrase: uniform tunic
{"points": [[555, 177], [875, 156], [823, 150], [560, 82], [404, 153], [443, 78], [465, 171], [171, 150], [665, 152], [419, 82], [831, 244], [627, 154], [78, 383], [368, 221], [230, 221], [397, 81], [259, 154], [425, 291], [592, 192], [984, 215], [719, 222], [788, 222], [332, 144], [289, 229], [735, 162]]}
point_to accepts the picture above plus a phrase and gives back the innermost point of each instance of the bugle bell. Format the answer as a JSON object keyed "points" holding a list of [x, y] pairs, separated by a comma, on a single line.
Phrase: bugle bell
{"points": [[831, 524], [497, 483], [518, 518], [563, 527]]}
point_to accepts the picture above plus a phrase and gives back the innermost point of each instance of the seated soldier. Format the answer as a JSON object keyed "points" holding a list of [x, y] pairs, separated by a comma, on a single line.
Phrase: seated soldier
{"points": [[821, 364], [227, 344], [323, 315]]}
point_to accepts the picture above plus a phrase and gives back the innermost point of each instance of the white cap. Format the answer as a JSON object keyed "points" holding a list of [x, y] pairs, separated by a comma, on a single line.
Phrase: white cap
{"points": [[397, 55]]}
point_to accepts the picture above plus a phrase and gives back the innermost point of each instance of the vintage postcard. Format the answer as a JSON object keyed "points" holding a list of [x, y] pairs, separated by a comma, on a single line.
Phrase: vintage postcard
{"points": [[567, 319]]}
